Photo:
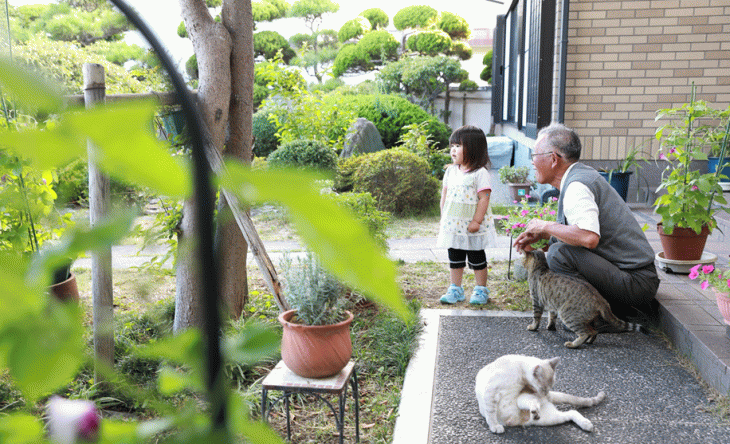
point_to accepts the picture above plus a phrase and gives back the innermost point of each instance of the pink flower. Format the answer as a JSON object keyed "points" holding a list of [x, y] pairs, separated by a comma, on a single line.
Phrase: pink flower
{"points": [[704, 285], [695, 188], [72, 421], [694, 272], [553, 213], [554, 199], [522, 225], [707, 269], [525, 212], [662, 156], [728, 283], [672, 150], [527, 196], [514, 201]]}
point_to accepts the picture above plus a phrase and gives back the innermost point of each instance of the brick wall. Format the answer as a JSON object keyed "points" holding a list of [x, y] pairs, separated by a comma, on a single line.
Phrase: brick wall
{"points": [[626, 59]]}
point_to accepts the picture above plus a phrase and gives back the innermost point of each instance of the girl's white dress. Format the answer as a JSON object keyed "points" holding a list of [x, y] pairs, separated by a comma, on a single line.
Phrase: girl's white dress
{"points": [[459, 208]]}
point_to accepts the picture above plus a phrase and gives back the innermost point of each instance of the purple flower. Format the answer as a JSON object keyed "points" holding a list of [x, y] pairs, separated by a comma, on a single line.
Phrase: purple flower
{"points": [[707, 269], [72, 421], [704, 285], [662, 156], [672, 150]]}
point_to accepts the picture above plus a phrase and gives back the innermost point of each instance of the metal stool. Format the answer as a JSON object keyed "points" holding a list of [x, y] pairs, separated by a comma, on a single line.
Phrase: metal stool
{"points": [[284, 380]]}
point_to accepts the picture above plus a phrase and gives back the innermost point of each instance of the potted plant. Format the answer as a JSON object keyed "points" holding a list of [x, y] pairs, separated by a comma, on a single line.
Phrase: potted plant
{"points": [[715, 136], [620, 176], [516, 179], [719, 280], [687, 211], [28, 218], [316, 331]]}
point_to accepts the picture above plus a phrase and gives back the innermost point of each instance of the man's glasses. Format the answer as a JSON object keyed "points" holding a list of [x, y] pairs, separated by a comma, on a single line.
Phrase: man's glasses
{"points": [[532, 156]]}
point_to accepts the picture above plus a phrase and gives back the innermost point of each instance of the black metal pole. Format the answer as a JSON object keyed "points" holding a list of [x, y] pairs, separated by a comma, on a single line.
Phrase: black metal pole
{"points": [[217, 394]]}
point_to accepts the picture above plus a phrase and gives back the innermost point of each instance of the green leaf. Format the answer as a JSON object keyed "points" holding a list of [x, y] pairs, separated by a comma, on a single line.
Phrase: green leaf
{"points": [[47, 148], [185, 347], [127, 149], [342, 244], [116, 432], [252, 344], [240, 425], [14, 292], [45, 351], [30, 90], [21, 428], [171, 380]]}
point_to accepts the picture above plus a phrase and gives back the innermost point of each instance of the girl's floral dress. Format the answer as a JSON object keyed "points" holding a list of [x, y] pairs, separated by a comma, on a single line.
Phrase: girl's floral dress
{"points": [[459, 208]]}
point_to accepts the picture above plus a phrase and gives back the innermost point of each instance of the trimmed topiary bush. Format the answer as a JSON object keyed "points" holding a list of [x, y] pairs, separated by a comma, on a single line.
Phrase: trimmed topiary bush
{"points": [[264, 130], [416, 16], [353, 28], [304, 154], [400, 181], [377, 17], [379, 45], [429, 42]]}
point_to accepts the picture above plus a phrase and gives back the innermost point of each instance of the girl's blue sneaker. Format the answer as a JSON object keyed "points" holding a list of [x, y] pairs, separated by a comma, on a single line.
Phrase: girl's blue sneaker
{"points": [[479, 296], [453, 295]]}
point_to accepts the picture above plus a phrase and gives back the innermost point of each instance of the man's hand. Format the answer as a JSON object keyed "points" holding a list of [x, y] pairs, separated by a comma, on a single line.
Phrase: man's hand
{"points": [[535, 230]]}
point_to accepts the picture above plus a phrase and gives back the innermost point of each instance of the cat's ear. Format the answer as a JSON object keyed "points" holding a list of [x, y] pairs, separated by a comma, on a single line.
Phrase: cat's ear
{"points": [[554, 362]]}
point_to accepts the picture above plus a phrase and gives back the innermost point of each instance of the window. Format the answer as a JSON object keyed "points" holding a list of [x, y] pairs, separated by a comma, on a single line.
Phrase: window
{"points": [[523, 65]]}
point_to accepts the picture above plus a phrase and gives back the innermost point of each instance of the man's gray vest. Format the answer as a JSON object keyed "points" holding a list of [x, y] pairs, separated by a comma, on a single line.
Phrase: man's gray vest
{"points": [[622, 242]]}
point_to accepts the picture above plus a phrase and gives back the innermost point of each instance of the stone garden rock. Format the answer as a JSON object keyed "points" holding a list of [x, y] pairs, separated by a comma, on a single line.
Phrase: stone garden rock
{"points": [[362, 138]]}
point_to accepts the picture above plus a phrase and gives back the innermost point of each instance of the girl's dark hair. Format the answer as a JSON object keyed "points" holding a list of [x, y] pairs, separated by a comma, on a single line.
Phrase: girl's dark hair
{"points": [[474, 142]]}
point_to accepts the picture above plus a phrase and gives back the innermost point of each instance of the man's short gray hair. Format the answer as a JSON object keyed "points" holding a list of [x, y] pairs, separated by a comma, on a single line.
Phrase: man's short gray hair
{"points": [[562, 139]]}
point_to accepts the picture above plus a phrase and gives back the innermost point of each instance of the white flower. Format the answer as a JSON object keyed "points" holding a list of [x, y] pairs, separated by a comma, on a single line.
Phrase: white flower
{"points": [[72, 421]]}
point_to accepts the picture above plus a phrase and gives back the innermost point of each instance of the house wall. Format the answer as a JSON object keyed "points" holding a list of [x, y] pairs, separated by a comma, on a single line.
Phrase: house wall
{"points": [[627, 59]]}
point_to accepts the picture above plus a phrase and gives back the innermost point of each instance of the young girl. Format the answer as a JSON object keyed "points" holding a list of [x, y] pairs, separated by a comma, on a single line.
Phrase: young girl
{"points": [[466, 224]]}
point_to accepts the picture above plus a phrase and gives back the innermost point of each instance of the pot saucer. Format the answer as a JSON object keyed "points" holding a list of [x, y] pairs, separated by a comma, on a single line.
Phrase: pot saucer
{"points": [[683, 267]]}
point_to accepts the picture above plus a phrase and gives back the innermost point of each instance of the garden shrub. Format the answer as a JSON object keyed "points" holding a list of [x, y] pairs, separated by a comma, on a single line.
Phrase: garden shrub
{"points": [[429, 43], [344, 180], [379, 45], [303, 154], [400, 181], [391, 115], [377, 17], [353, 28], [264, 131], [72, 186], [365, 209], [415, 16]]}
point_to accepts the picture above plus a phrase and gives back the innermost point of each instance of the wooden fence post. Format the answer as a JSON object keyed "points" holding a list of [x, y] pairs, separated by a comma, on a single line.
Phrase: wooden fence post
{"points": [[101, 260]]}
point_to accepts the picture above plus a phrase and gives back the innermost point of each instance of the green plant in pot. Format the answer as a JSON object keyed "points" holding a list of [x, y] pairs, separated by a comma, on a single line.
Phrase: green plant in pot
{"points": [[28, 217], [620, 176], [516, 179], [687, 209], [316, 331]]}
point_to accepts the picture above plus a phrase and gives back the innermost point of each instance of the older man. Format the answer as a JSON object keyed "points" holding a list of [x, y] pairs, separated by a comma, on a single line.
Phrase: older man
{"points": [[596, 236]]}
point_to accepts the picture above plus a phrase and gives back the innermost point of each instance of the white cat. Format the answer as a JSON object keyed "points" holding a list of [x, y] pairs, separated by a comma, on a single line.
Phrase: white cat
{"points": [[515, 390]]}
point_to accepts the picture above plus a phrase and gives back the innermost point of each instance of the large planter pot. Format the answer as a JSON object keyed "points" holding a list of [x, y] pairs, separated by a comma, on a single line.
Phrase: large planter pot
{"points": [[315, 351], [683, 244], [619, 181], [518, 191], [712, 164], [66, 290], [723, 304]]}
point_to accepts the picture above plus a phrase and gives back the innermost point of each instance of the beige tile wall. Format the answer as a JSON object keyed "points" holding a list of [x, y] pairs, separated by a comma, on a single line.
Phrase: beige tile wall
{"points": [[626, 59]]}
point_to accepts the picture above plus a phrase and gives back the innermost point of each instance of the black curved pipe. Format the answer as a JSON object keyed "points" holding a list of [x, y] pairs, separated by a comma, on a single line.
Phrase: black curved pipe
{"points": [[217, 395]]}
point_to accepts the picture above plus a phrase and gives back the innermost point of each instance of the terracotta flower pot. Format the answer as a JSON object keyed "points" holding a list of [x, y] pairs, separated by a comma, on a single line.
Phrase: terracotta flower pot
{"points": [[66, 290], [315, 351], [518, 191], [723, 304], [683, 244]]}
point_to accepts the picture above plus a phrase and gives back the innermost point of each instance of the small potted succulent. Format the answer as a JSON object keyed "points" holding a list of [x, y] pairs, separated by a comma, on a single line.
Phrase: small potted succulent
{"points": [[516, 179], [687, 211], [316, 331]]}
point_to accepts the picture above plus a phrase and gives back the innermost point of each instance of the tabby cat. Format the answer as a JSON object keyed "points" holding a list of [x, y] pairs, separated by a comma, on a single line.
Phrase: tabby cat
{"points": [[580, 306], [515, 390]]}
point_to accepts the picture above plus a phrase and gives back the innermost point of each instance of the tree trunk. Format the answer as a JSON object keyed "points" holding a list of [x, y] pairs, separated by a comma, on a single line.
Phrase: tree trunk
{"points": [[447, 103], [225, 65], [230, 242]]}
